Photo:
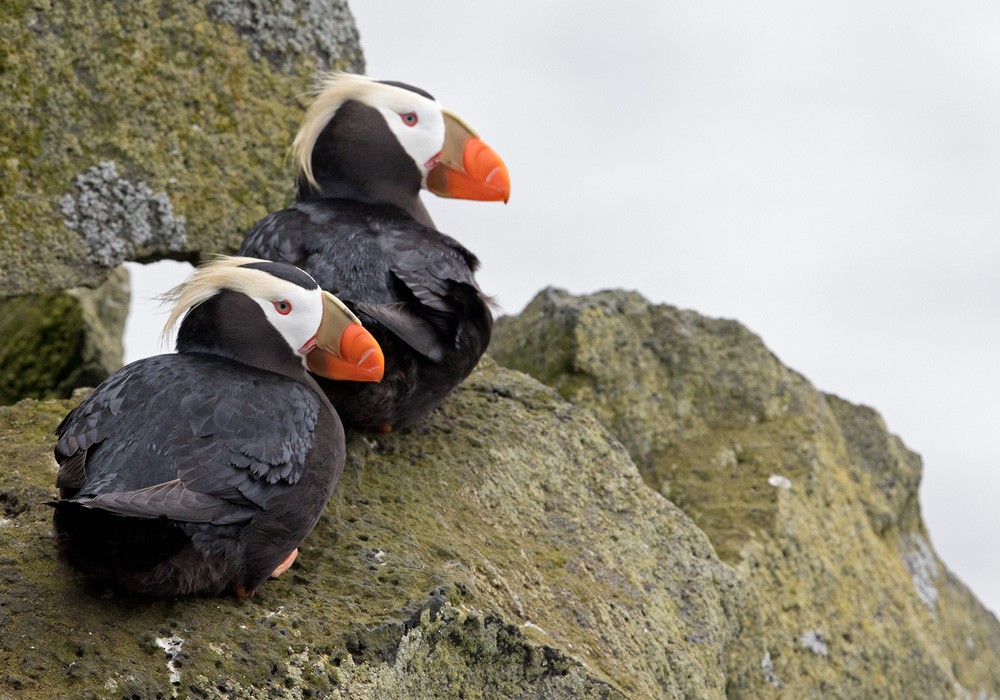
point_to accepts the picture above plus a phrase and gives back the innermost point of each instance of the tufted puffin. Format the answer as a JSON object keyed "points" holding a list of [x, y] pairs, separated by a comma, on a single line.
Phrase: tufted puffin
{"points": [[364, 151], [200, 472]]}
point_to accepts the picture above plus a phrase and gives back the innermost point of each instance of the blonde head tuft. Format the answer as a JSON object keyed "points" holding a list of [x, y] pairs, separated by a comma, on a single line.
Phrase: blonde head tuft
{"points": [[214, 276], [333, 90]]}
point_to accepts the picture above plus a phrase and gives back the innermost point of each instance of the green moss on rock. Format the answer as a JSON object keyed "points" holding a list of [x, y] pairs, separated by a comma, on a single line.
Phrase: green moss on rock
{"points": [[192, 117], [808, 496], [506, 547], [39, 333], [51, 344]]}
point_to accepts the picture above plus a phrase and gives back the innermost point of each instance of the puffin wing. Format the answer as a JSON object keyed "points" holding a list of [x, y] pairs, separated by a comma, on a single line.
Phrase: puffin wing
{"points": [[246, 443], [172, 500], [188, 438], [439, 274], [107, 411], [334, 241], [430, 264], [412, 329], [279, 237]]}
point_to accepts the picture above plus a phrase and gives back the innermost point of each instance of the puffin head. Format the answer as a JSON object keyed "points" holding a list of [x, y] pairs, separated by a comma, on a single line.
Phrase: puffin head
{"points": [[386, 140], [219, 306]]}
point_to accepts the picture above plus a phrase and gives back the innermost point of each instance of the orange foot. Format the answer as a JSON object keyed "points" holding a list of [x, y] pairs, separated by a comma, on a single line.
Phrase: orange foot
{"points": [[384, 428], [287, 562]]}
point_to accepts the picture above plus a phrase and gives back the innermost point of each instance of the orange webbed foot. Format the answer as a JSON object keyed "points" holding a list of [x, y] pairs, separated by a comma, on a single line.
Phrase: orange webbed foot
{"points": [[285, 564]]}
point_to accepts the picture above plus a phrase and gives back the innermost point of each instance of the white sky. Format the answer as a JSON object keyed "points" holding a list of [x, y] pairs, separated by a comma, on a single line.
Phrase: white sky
{"points": [[826, 173]]}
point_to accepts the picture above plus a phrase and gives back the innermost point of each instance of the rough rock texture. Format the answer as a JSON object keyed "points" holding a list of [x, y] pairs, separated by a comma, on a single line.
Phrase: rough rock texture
{"points": [[806, 495], [507, 547], [283, 31], [135, 131], [53, 343]]}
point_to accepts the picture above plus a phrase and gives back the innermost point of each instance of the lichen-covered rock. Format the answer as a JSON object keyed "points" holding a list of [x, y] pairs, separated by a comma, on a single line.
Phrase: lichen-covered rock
{"points": [[282, 32], [505, 547], [135, 131], [51, 344], [887, 473], [807, 495]]}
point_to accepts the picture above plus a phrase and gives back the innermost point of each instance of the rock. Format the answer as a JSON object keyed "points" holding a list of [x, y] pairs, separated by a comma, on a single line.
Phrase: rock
{"points": [[888, 474], [149, 130], [505, 547], [807, 496], [749, 537], [53, 343]]}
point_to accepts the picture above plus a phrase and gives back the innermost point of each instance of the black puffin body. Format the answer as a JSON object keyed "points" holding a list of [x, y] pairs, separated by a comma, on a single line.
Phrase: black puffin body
{"points": [[202, 471], [412, 286], [365, 150]]}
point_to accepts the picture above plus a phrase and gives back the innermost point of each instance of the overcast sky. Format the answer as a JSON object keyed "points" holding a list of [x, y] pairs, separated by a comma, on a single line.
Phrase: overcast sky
{"points": [[826, 173]]}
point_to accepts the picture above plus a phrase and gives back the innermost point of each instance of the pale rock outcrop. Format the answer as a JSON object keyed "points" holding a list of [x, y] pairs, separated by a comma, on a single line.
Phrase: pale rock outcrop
{"points": [[807, 496]]}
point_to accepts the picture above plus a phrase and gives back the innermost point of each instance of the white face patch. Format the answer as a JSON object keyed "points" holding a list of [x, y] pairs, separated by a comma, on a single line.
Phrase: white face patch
{"points": [[294, 312], [423, 139]]}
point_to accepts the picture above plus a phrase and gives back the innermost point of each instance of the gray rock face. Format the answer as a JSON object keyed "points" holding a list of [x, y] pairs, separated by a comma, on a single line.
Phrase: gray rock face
{"points": [[806, 495], [119, 218], [282, 31], [149, 130], [888, 472]]}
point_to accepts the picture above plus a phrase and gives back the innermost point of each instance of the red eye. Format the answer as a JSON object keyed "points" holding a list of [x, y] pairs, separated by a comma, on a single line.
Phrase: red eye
{"points": [[283, 307], [410, 118]]}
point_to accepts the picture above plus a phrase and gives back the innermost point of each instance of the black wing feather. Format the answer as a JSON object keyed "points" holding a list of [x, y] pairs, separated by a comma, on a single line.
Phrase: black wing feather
{"points": [[418, 333], [174, 500]]}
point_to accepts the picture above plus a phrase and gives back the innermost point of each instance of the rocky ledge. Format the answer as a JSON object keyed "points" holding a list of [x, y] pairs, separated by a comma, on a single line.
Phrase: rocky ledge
{"points": [[808, 497], [747, 537]]}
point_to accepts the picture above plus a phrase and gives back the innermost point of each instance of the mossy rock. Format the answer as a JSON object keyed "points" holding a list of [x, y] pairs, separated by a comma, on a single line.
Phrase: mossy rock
{"points": [[505, 547], [806, 495], [142, 130], [51, 344]]}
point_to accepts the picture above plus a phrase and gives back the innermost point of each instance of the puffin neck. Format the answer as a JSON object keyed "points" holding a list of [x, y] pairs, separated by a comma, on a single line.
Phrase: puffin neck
{"points": [[330, 188], [233, 326]]}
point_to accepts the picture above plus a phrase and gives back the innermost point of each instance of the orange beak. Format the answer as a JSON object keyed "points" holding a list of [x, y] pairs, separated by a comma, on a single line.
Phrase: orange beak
{"points": [[344, 349], [468, 169]]}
